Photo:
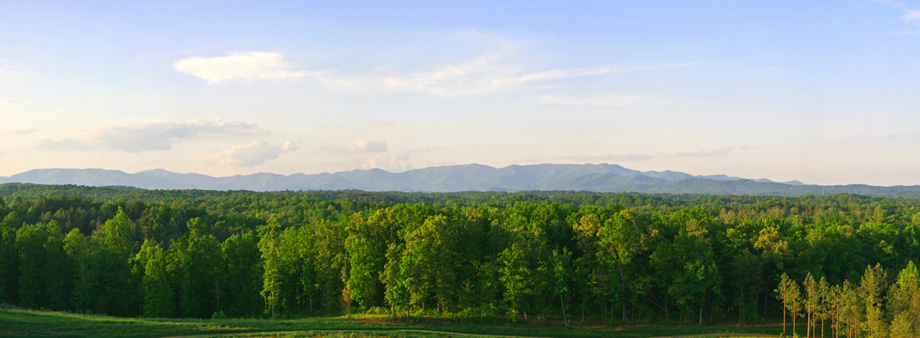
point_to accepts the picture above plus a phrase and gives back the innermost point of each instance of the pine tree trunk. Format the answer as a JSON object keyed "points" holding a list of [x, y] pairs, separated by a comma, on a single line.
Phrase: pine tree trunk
{"points": [[701, 315], [784, 319], [623, 293], [217, 295], [807, 324], [562, 306]]}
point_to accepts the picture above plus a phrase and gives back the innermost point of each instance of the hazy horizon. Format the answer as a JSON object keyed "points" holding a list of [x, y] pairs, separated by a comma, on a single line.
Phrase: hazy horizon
{"points": [[823, 93]]}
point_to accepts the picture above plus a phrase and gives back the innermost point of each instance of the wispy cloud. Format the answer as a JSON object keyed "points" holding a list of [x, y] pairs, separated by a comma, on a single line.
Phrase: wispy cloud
{"points": [[20, 132], [487, 73], [66, 144], [909, 13], [706, 153], [608, 100], [161, 135], [365, 145], [240, 66], [252, 154], [606, 157]]}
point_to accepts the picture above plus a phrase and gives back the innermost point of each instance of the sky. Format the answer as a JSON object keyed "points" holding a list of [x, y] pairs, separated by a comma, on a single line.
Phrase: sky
{"points": [[825, 92]]}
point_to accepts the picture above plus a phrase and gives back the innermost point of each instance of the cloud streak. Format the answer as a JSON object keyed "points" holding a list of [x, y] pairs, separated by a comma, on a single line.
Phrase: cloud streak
{"points": [[608, 100], [910, 14], [606, 157], [485, 74], [705, 153]]}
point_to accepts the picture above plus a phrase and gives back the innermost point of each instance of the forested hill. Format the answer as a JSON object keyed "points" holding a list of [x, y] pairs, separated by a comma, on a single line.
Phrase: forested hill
{"points": [[472, 177]]}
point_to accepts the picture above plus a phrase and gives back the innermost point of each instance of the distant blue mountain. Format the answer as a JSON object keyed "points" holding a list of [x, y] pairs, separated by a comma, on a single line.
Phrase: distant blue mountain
{"points": [[470, 177]]}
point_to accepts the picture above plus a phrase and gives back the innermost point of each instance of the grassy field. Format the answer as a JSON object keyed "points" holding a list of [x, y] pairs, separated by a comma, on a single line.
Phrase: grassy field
{"points": [[27, 323]]}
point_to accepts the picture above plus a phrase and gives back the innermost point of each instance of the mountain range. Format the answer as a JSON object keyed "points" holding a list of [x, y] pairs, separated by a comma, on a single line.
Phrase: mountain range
{"points": [[470, 177]]}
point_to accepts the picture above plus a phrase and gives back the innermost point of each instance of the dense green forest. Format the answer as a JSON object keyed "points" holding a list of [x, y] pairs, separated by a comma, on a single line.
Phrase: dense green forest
{"points": [[843, 263]]}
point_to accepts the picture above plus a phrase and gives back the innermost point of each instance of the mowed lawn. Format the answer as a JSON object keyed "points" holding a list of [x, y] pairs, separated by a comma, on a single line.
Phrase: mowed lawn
{"points": [[28, 323]]}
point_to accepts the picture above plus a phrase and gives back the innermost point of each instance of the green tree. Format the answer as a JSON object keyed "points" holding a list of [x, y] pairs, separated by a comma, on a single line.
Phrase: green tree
{"points": [[81, 251], [118, 295], [9, 264], [812, 301], [42, 263], [158, 291], [396, 292], [873, 288], [791, 295], [517, 277], [904, 303], [562, 271], [243, 279], [202, 271], [621, 239], [269, 245]]}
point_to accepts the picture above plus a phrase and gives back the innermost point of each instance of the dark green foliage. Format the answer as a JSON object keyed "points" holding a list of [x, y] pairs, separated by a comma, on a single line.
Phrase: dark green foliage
{"points": [[244, 275], [42, 264], [9, 264]]}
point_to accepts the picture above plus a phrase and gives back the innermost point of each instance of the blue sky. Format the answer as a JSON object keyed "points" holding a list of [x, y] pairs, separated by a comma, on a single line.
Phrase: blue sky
{"points": [[823, 92]]}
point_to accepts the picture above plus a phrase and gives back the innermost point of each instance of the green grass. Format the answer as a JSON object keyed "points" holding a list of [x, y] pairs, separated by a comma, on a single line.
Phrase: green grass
{"points": [[28, 323]]}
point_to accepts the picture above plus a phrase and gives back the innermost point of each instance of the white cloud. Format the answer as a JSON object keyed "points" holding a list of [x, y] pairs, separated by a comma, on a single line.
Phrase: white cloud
{"points": [[609, 100], [240, 66], [391, 163], [366, 145], [161, 135], [252, 154]]}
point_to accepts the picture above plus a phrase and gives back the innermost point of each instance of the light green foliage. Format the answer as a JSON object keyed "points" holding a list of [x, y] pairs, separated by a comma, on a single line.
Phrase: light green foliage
{"points": [[517, 276], [158, 292], [396, 291], [272, 276], [363, 277], [80, 250], [904, 303], [873, 286]]}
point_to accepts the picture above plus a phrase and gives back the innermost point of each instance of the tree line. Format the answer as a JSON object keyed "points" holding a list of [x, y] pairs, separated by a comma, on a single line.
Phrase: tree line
{"points": [[617, 258]]}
